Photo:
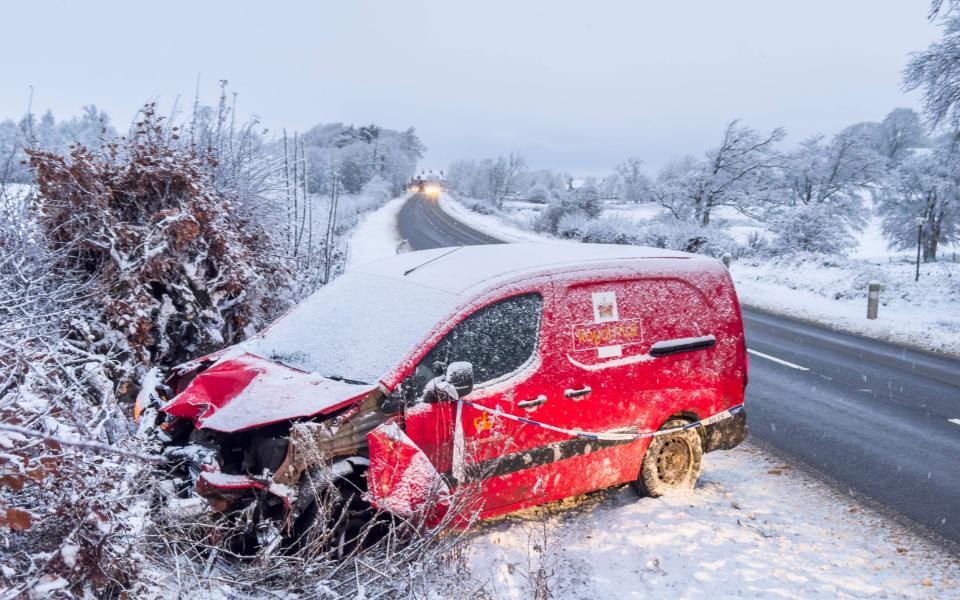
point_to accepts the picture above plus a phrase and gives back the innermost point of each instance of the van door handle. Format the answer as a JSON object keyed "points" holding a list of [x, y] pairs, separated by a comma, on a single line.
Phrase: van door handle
{"points": [[533, 402], [577, 393]]}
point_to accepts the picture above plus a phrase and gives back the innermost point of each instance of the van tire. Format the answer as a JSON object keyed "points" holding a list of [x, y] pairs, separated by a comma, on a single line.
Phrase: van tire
{"points": [[671, 463]]}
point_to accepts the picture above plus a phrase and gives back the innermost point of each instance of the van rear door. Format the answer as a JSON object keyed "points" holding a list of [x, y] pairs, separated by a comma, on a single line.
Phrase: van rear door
{"points": [[613, 383]]}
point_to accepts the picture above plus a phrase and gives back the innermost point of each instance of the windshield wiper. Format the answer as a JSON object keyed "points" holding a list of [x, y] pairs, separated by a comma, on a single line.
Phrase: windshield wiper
{"points": [[345, 380]]}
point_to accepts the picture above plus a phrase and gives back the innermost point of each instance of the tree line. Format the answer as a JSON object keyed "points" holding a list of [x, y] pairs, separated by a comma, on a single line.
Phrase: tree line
{"points": [[813, 197]]}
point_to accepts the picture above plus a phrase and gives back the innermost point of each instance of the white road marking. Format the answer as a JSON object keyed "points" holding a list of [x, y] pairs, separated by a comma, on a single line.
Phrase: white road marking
{"points": [[777, 360], [954, 421]]}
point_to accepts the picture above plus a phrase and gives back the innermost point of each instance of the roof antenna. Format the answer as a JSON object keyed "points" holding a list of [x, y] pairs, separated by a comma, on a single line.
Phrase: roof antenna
{"points": [[411, 270]]}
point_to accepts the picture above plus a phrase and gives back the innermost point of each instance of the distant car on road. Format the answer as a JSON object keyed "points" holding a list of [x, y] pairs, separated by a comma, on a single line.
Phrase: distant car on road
{"points": [[535, 371], [427, 183]]}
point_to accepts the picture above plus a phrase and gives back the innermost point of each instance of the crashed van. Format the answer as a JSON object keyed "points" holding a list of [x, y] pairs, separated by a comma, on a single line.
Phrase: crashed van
{"points": [[530, 372]]}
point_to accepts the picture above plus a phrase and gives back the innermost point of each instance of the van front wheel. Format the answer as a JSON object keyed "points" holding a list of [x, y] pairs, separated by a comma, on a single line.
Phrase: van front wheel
{"points": [[671, 463]]}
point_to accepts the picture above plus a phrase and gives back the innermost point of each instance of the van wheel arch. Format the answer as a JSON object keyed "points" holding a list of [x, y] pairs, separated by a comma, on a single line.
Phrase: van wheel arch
{"points": [[688, 416]]}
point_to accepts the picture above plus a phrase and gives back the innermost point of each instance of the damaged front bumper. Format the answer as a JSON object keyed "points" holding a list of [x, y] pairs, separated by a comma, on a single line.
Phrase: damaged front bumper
{"points": [[232, 472]]}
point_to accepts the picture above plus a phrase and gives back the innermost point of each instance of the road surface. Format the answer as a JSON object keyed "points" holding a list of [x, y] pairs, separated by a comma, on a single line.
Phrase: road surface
{"points": [[878, 419]]}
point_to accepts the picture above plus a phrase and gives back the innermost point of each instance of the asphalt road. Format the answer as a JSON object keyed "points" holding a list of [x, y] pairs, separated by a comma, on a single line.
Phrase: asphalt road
{"points": [[876, 419], [424, 225]]}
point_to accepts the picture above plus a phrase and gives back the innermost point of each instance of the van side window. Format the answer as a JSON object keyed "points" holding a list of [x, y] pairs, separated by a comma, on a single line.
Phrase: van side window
{"points": [[496, 340]]}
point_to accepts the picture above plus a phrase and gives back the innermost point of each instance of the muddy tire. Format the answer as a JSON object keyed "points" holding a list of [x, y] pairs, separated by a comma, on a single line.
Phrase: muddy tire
{"points": [[671, 463]]}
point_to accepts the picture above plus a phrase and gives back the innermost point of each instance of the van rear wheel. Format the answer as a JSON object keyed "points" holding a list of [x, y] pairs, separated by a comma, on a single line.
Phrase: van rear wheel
{"points": [[671, 463]]}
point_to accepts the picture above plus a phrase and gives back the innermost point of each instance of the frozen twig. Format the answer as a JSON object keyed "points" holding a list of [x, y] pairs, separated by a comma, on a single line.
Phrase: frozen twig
{"points": [[85, 444]]}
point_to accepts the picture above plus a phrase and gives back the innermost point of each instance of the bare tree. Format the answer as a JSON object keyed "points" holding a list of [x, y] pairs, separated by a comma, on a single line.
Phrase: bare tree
{"points": [[928, 188], [635, 184], [900, 131], [936, 70], [831, 175], [741, 173], [503, 177]]}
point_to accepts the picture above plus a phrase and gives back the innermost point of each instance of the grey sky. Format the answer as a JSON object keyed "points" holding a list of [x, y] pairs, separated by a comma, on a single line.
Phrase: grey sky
{"points": [[572, 85]]}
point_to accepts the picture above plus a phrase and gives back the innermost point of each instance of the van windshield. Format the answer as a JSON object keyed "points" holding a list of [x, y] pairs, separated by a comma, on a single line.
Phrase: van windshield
{"points": [[356, 328]]}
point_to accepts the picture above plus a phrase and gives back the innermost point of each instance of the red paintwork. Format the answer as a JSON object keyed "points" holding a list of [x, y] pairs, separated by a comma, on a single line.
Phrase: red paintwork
{"points": [[401, 474], [669, 300], [223, 383], [213, 388]]}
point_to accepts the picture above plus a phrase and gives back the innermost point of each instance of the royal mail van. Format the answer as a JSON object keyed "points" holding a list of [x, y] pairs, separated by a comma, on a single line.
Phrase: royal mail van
{"points": [[531, 372]]}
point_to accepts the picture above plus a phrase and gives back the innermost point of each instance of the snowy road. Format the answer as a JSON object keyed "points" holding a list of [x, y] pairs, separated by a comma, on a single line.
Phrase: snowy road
{"points": [[875, 417], [425, 225]]}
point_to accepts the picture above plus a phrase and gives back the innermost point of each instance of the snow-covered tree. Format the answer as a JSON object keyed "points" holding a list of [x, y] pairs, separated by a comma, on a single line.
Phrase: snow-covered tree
{"points": [[178, 271], [355, 155], [812, 228], [574, 208], [91, 128], [553, 180], [539, 193], [831, 176], [900, 131], [490, 179], [936, 70], [503, 177], [467, 178], [741, 172], [634, 183], [587, 200], [673, 186], [925, 187]]}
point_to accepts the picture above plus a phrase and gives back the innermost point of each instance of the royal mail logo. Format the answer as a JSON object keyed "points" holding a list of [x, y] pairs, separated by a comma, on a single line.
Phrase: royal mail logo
{"points": [[594, 335], [605, 307]]}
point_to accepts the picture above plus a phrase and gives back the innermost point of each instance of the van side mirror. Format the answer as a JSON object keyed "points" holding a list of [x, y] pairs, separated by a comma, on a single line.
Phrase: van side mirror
{"points": [[460, 376], [456, 383]]}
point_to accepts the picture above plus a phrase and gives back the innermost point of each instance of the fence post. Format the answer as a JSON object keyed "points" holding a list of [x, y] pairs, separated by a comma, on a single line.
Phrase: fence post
{"points": [[873, 299]]}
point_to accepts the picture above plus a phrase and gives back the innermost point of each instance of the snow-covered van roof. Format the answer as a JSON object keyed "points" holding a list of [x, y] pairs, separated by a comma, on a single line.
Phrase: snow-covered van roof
{"points": [[363, 323], [461, 269]]}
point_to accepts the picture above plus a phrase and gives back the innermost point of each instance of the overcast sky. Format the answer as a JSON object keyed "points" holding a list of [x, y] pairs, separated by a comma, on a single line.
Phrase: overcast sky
{"points": [[575, 85]]}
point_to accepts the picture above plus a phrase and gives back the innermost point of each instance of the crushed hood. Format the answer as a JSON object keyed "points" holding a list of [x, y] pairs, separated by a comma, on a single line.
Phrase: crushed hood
{"points": [[248, 391]]}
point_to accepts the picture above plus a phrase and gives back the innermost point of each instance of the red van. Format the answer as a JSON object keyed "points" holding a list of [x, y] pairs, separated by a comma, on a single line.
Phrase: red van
{"points": [[535, 371]]}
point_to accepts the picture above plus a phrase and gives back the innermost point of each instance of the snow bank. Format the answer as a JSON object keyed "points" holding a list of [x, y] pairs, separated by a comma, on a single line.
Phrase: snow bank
{"points": [[376, 236], [494, 225], [752, 528]]}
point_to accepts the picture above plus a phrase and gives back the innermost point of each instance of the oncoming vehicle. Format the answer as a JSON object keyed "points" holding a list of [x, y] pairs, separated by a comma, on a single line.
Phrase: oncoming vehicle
{"points": [[429, 183], [532, 371]]}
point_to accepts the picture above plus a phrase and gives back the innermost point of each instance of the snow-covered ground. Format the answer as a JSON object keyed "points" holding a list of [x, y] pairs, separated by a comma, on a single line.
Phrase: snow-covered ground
{"points": [[754, 528], [494, 225], [376, 235], [924, 314]]}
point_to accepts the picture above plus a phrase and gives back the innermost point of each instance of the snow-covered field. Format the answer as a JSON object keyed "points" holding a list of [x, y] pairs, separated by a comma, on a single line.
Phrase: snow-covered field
{"points": [[924, 314], [753, 528], [507, 230]]}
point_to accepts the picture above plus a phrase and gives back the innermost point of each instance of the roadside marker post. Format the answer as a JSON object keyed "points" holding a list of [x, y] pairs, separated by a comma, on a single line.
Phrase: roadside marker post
{"points": [[873, 299]]}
